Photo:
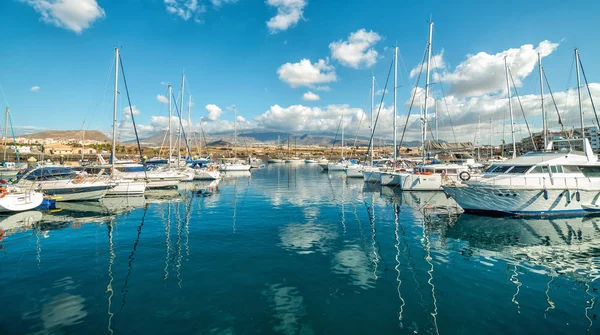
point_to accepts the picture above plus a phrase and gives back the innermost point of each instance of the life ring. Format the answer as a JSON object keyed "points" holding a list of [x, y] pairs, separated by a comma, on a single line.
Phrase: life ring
{"points": [[78, 179], [76, 225], [464, 176], [3, 192]]}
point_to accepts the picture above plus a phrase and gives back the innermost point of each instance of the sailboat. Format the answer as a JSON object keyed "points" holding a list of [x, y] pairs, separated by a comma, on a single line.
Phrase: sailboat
{"points": [[121, 186], [538, 183], [341, 164], [235, 165], [8, 170], [295, 158], [277, 159], [424, 177]]}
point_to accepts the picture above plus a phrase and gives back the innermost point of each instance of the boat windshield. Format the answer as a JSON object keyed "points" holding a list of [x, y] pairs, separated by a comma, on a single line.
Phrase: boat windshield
{"points": [[51, 173], [132, 169], [498, 168], [520, 169]]}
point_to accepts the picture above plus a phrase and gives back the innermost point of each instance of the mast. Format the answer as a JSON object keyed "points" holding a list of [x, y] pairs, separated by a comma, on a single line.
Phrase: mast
{"points": [[190, 124], [234, 132], [289, 153], [114, 130], [395, 111], [579, 96], [544, 121], [512, 121], [5, 134], [437, 115], [424, 121], [179, 127], [476, 134], [170, 127], [491, 148], [83, 141], [342, 134], [372, 109]]}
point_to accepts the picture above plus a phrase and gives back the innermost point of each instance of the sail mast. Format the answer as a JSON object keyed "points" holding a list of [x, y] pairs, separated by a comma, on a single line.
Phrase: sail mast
{"points": [[342, 134], [579, 97], [5, 134], [424, 121], [234, 132], [179, 127], [82, 141], [372, 109], [170, 127], [544, 121], [512, 121], [114, 130], [395, 111]]}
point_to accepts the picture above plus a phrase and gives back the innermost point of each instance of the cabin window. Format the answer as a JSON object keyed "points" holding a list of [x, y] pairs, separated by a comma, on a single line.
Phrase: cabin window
{"points": [[500, 168], [491, 168], [556, 169], [540, 169], [520, 169], [590, 171], [571, 169], [451, 171]]}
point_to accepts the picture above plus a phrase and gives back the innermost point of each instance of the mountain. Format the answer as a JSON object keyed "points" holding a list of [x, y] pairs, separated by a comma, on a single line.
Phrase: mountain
{"points": [[65, 135]]}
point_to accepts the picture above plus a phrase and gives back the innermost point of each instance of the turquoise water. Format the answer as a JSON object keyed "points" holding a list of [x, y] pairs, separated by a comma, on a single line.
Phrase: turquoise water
{"points": [[292, 250]]}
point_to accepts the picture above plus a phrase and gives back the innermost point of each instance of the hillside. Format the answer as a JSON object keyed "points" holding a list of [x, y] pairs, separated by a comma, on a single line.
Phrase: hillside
{"points": [[92, 135]]}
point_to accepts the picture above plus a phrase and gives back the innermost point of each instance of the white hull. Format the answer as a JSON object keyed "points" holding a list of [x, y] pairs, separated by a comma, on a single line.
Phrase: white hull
{"points": [[533, 202], [310, 161], [20, 201], [294, 161], [155, 179], [419, 182], [206, 174], [390, 179], [235, 167], [371, 175], [68, 190], [354, 171], [276, 160], [336, 167], [324, 166], [125, 187]]}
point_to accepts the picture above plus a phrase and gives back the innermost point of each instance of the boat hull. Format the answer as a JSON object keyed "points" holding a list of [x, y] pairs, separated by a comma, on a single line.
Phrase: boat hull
{"points": [[390, 179], [235, 167], [206, 174], [21, 201], [127, 187], [524, 202], [371, 176], [354, 172]]}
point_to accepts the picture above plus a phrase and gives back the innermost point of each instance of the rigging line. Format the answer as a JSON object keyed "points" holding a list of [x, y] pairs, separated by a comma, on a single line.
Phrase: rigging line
{"points": [[589, 92], [379, 109], [137, 138], [361, 118], [562, 125], [334, 139], [414, 96], [181, 124], [522, 110], [569, 83], [446, 104], [14, 139], [131, 258], [3, 95]]}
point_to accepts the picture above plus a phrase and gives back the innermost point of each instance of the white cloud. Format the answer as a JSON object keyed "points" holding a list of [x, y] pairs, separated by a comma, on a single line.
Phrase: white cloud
{"points": [[310, 96], [34, 89], [219, 3], [185, 9], [241, 119], [75, 15], [289, 12], [162, 99], [304, 118], [437, 62], [214, 112], [127, 112], [484, 73], [380, 91], [357, 51], [305, 73]]}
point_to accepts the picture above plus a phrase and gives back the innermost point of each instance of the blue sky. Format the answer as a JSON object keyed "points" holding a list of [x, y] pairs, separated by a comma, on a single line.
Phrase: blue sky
{"points": [[231, 54]]}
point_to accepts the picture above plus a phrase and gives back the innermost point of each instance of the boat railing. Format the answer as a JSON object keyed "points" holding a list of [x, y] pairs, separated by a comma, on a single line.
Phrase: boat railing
{"points": [[566, 182]]}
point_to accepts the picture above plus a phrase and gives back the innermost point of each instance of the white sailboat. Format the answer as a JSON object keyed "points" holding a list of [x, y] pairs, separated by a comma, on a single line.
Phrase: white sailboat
{"points": [[235, 165], [122, 186], [341, 164], [15, 199]]}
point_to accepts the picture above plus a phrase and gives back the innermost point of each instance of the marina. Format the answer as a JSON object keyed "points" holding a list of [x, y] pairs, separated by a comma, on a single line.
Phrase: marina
{"points": [[299, 167], [323, 247]]}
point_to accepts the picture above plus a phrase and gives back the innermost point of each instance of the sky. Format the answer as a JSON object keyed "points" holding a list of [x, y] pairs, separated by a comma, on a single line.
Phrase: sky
{"points": [[295, 65]]}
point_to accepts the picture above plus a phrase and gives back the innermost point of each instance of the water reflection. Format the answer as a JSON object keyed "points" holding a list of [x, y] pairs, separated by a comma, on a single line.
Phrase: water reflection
{"points": [[62, 310], [353, 262], [288, 308], [306, 238]]}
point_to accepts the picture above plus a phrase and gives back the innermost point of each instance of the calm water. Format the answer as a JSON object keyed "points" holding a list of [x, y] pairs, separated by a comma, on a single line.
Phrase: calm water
{"points": [[293, 250]]}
